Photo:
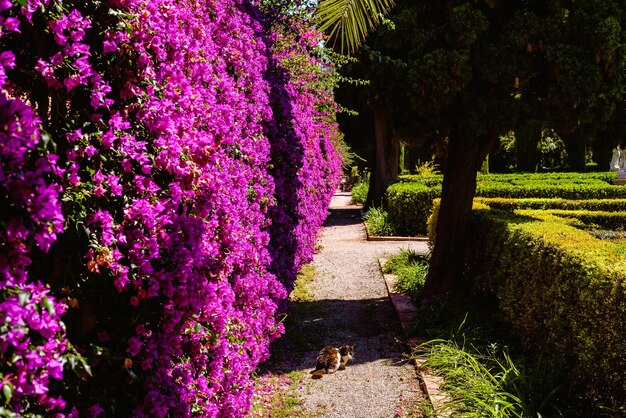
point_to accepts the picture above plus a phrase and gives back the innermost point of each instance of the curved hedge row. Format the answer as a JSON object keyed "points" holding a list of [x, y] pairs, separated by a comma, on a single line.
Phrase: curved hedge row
{"points": [[143, 164], [555, 203], [563, 290], [410, 202]]}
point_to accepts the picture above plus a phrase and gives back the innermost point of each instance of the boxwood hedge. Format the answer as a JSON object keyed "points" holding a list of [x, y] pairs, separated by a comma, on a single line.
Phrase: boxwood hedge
{"points": [[560, 288], [409, 201]]}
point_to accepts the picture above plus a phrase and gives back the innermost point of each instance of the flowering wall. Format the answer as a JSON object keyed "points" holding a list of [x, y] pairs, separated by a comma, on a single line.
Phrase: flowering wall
{"points": [[165, 168], [305, 164]]}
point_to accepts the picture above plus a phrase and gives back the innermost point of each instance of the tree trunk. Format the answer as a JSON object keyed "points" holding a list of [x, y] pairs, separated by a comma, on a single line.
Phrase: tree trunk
{"points": [[602, 148], [526, 140], [386, 158], [465, 156], [575, 146]]}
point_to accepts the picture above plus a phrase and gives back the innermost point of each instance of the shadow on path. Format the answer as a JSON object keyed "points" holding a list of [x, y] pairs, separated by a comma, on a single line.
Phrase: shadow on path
{"points": [[310, 326], [343, 217]]}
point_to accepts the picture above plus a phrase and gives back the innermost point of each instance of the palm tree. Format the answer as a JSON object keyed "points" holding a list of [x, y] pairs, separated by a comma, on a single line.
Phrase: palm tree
{"points": [[348, 21]]}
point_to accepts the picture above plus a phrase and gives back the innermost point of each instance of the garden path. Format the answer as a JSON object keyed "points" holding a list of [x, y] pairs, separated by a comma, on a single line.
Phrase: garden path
{"points": [[349, 304]]}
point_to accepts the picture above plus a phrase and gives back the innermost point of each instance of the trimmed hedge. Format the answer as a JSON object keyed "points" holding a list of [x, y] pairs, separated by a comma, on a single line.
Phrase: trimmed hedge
{"points": [[605, 220], [503, 203], [519, 178], [409, 206], [562, 290], [607, 213], [410, 202]]}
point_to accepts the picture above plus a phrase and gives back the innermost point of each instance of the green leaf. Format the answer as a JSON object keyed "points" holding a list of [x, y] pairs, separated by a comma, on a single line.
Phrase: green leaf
{"points": [[5, 413], [47, 303], [24, 298], [349, 21], [7, 391]]}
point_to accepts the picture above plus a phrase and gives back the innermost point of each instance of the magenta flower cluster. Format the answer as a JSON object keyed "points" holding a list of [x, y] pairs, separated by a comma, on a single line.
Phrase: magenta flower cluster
{"points": [[172, 161], [32, 335], [306, 166]]}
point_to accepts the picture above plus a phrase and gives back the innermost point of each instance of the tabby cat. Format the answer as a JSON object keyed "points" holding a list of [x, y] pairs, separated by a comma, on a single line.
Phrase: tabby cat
{"points": [[331, 359]]}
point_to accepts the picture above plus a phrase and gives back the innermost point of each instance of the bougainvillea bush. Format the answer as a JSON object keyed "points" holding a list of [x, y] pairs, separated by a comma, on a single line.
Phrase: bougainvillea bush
{"points": [[305, 163], [165, 167]]}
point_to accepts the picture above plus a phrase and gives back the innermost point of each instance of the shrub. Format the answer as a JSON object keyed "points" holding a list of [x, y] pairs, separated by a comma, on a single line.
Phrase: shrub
{"points": [[176, 146], [594, 219], [511, 204], [409, 205], [561, 289], [410, 201], [426, 169]]}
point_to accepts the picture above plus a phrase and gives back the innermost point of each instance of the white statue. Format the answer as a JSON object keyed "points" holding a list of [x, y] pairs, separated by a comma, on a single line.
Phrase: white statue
{"points": [[617, 161]]}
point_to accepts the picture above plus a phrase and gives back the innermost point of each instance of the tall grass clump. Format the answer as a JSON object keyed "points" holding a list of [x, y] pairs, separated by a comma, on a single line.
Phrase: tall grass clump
{"points": [[411, 269], [485, 371], [378, 222], [359, 193]]}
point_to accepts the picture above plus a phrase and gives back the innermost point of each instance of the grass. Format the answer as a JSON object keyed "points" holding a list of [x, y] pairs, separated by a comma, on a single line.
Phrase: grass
{"points": [[411, 269], [486, 371], [303, 290], [277, 396], [378, 223]]}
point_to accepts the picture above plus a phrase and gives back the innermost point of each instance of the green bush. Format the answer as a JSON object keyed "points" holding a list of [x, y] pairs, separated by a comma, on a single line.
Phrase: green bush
{"points": [[378, 223], [503, 203], [562, 290], [409, 205], [359, 193], [595, 219], [409, 201]]}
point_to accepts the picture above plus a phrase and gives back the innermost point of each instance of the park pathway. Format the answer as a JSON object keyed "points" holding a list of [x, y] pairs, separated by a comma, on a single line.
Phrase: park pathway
{"points": [[350, 305]]}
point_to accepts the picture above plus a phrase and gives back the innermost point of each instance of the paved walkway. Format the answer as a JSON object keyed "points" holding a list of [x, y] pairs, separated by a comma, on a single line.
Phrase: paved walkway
{"points": [[350, 304]]}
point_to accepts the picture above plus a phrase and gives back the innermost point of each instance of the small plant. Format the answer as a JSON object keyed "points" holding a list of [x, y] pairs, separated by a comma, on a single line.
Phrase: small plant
{"points": [[425, 169], [411, 279], [378, 223], [359, 193], [411, 269]]}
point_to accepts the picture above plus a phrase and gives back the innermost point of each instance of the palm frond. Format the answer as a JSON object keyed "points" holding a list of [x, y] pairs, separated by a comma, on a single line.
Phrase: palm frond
{"points": [[349, 21]]}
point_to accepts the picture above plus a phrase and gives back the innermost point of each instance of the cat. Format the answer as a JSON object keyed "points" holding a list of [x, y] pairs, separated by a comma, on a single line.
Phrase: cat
{"points": [[331, 359]]}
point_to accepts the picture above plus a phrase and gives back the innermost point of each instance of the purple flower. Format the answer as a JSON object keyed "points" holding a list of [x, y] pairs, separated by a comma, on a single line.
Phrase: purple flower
{"points": [[12, 24], [109, 46]]}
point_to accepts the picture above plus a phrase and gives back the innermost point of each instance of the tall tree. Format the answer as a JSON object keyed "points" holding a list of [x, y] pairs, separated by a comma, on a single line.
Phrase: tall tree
{"points": [[480, 68]]}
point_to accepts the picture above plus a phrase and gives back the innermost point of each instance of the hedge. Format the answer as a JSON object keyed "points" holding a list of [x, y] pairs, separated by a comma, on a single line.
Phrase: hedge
{"points": [[595, 219], [164, 169], [561, 289], [409, 206], [519, 178], [511, 204], [410, 202]]}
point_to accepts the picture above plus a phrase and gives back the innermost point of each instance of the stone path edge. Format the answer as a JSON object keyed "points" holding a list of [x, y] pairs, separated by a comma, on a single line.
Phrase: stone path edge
{"points": [[430, 384]]}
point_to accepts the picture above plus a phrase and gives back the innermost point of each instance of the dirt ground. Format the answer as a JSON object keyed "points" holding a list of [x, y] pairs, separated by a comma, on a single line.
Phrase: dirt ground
{"points": [[349, 304]]}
